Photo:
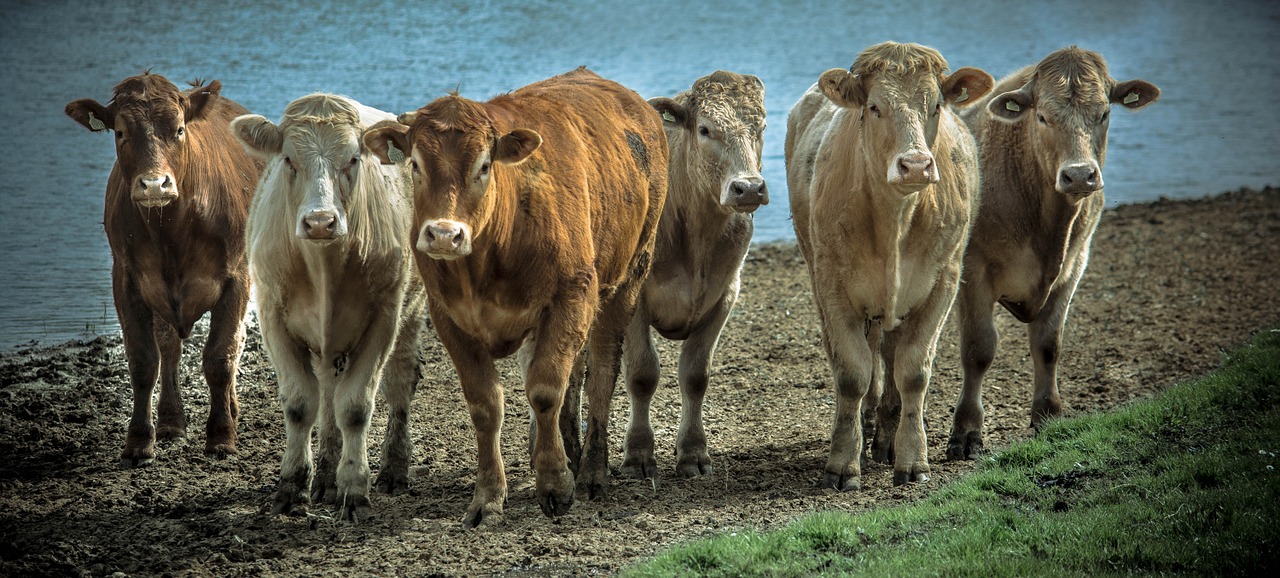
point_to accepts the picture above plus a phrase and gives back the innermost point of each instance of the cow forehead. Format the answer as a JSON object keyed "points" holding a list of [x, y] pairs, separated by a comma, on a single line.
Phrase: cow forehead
{"points": [[732, 114], [322, 140], [909, 89], [1073, 79]]}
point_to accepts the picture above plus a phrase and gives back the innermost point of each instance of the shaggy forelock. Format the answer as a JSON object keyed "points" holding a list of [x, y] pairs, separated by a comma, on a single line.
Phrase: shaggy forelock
{"points": [[725, 95], [140, 95], [892, 58], [1072, 78], [321, 109]]}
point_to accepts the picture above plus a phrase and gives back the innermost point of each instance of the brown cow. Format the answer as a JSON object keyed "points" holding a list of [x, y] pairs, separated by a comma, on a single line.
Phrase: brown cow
{"points": [[534, 220], [1043, 140], [176, 205], [715, 131], [883, 179], [340, 304]]}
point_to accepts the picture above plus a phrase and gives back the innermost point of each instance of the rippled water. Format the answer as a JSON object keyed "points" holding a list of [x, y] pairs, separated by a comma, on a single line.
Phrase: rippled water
{"points": [[1213, 129]]}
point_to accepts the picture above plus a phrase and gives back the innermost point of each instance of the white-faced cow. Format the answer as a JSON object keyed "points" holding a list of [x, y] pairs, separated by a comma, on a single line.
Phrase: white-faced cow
{"points": [[1042, 136], [340, 305], [534, 221], [883, 179], [176, 205], [715, 131]]}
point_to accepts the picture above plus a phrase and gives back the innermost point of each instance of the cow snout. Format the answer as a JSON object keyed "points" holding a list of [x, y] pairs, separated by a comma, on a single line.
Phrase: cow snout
{"points": [[746, 195], [319, 225], [915, 169], [443, 239], [155, 190], [1079, 179]]}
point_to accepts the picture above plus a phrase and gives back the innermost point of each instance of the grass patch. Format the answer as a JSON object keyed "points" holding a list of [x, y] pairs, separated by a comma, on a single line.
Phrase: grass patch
{"points": [[1186, 483]]}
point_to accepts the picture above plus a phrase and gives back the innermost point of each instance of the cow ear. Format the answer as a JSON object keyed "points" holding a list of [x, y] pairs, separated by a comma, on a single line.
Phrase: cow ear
{"points": [[843, 88], [516, 146], [388, 140], [260, 137], [966, 85], [90, 114], [1135, 94], [673, 113], [202, 101], [1012, 105]]}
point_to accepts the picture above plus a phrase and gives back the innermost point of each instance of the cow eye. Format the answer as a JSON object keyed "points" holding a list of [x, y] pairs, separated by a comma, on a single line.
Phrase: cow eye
{"points": [[1105, 115], [1042, 119], [289, 162], [354, 162], [874, 110], [937, 109], [119, 135], [704, 131], [414, 165], [484, 168], [182, 131]]}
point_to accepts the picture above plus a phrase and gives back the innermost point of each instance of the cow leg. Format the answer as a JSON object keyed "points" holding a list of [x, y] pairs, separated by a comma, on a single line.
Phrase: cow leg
{"points": [[399, 383], [324, 487], [570, 409], [978, 338], [696, 354], [141, 352], [171, 417], [221, 362], [848, 350], [603, 358], [1045, 336], [640, 362], [889, 406], [914, 344], [300, 400]]}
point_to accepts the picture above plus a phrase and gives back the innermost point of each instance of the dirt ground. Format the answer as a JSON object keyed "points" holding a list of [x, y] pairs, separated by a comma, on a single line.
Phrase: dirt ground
{"points": [[1171, 285]]}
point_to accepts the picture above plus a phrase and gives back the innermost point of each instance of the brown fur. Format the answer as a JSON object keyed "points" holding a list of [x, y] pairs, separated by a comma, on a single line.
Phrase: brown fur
{"points": [[884, 255], [560, 238], [1030, 242], [171, 264]]}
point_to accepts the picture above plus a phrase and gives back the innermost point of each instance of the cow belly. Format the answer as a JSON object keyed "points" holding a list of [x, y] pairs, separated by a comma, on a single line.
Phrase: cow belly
{"points": [[676, 306], [501, 329], [182, 303]]}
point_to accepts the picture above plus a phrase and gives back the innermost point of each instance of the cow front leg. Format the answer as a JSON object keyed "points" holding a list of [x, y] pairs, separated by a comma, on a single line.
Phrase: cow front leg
{"points": [[171, 415], [300, 401], [978, 339], [849, 352], [221, 362], [143, 358], [641, 367], [1045, 337], [604, 356], [692, 458]]}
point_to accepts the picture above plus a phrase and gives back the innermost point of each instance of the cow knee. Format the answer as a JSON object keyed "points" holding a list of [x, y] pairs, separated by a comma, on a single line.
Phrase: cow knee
{"points": [[543, 402], [296, 414], [1049, 352], [357, 416]]}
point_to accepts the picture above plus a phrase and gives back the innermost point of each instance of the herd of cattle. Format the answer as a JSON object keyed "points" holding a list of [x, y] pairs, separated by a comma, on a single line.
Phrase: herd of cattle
{"points": [[561, 221]]}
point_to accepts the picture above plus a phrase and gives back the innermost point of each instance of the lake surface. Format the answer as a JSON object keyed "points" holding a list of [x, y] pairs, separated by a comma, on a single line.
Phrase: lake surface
{"points": [[1213, 130]]}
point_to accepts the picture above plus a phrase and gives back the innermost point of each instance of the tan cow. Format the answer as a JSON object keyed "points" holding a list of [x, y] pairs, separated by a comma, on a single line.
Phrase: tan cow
{"points": [[340, 305], [177, 200], [883, 179], [1043, 140], [534, 222], [715, 131]]}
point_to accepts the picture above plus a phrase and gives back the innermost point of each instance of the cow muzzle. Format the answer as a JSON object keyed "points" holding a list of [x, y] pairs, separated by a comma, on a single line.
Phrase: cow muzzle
{"points": [[154, 190], [1079, 179], [745, 195], [320, 226], [444, 239], [914, 170]]}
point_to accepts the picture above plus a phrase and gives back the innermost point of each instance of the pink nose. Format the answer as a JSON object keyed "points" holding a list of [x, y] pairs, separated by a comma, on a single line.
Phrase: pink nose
{"points": [[445, 239], [915, 168], [319, 224]]}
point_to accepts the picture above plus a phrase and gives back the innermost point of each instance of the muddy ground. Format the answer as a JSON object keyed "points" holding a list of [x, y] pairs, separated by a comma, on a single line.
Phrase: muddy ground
{"points": [[1171, 286]]}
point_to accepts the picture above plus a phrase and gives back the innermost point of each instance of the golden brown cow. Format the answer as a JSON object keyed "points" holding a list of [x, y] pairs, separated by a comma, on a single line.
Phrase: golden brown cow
{"points": [[1042, 134], [716, 134], [534, 221], [177, 200], [883, 179]]}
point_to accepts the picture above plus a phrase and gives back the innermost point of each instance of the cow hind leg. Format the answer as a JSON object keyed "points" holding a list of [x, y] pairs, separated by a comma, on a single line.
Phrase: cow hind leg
{"points": [[978, 340], [324, 488], [889, 408], [642, 372], [399, 382], [221, 362], [603, 359], [171, 418]]}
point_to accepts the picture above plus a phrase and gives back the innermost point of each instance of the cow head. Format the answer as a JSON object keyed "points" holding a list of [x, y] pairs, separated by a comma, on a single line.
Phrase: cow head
{"points": [[149, 116], [316, 154], [1065, 109], [455, 154], [718, 128], [898, 92]]}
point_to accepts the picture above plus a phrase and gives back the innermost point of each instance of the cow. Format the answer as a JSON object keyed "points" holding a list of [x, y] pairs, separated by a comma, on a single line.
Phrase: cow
{"points": [[883, 179], [715, 132], [176, 204], [534, 216], [340, 305], [1042, 137]]}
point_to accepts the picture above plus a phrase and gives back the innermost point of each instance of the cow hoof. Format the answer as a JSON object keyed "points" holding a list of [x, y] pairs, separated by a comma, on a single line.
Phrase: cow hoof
{"points": [[639, 467], [842, 483], [392, 483], [136, 457], [323, 493], [555, 503], [901, 478], [220, 451], [171, 432], [693, 466], [355, 509], [882, 452], [289, 503], [484, 513], [966, 447]]}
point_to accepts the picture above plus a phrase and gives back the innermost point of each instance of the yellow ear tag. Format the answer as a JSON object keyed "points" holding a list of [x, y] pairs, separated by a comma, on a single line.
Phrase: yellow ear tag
{"points": [[1131, 98], [964, 94], [667, 116], [96, 124], [1012, 106], [394, 154]]}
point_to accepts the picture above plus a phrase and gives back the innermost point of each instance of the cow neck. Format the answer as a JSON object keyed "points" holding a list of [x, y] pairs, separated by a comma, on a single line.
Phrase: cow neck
{"points": [[325, 268], [692, 218]]}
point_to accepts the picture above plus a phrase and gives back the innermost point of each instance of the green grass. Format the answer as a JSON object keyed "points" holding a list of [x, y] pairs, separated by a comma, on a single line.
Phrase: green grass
{"points": [[1183, 484]]}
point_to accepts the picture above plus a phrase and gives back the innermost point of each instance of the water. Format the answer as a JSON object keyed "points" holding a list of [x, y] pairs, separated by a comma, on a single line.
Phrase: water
{"points": [[1213, 129]]}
